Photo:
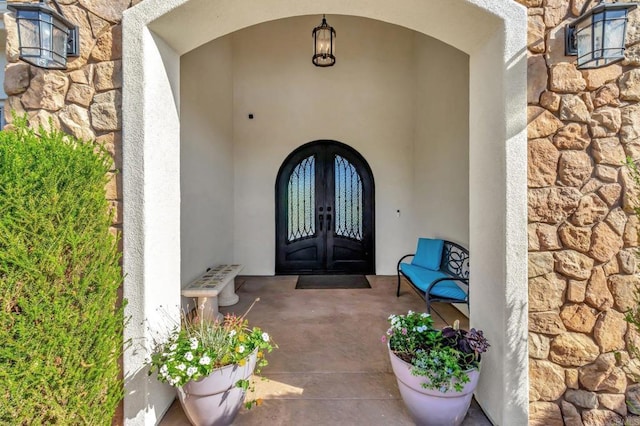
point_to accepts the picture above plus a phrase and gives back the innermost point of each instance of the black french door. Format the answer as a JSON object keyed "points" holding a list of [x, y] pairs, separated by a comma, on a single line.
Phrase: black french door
{"points": [[325, 211]]}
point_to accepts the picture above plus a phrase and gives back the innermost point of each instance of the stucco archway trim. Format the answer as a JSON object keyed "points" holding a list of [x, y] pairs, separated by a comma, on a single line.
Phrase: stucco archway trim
{"points": [[157, 32]]}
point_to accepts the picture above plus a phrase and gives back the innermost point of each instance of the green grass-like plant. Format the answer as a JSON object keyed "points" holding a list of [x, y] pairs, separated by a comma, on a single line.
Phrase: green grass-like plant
{"points": [[61, 322]]}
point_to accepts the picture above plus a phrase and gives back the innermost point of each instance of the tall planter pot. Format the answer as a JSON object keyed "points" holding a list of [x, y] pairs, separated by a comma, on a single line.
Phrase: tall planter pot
{"points": [[215, 400], [429, 407]]}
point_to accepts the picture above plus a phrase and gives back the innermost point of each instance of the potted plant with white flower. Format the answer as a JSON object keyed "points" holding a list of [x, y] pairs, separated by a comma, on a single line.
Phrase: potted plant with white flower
{"points": [[437, 370], [210, 363]]}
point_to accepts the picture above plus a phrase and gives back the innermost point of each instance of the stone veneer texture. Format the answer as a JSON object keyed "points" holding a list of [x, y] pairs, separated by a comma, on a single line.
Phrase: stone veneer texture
{"points": [[582, 232], [583, 235]]}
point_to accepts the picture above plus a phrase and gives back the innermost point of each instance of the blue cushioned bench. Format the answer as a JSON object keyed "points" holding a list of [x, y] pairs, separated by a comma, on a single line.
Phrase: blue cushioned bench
{"points": [[439, 271]]}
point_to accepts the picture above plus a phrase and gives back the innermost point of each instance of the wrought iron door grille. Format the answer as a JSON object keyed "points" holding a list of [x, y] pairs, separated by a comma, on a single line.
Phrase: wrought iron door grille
{"points": [[348, 200], [301, 193]]}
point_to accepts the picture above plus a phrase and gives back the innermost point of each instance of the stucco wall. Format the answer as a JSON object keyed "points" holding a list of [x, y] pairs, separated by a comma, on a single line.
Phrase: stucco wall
{"points": [[206, 153], [388, 100]]}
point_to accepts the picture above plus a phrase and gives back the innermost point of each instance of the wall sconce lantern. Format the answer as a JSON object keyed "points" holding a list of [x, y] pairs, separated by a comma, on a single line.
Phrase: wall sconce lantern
{"points": [[46, 38], [597, 37], [324, 45]]}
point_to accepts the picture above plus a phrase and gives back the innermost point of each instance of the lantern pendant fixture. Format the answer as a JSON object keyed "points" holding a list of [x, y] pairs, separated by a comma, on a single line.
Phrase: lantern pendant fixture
{"points": [[324, 45], [46, 38], [597, 37]]}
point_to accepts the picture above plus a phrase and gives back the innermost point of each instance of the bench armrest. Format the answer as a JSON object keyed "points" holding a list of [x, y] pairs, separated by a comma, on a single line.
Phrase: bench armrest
{"points": [[402, 258], [452, 278]]}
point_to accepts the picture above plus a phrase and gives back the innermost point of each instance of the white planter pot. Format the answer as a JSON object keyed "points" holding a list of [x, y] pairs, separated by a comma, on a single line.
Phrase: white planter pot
{"points": [[430, 407], [215, 400]]}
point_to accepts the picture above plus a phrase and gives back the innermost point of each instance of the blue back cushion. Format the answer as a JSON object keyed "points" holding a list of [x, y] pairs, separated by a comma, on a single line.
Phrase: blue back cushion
{"points": [[428, 254]]}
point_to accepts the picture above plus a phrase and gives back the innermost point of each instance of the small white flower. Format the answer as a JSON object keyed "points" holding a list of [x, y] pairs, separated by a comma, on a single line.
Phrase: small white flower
{"points": [[173, 347], [177, 379], [188, 356], [164, 369], [425, 315], [181, 367], [204, 360], [191, 371], [265, 337], [194, 343], [232, 333], [240, 349]]}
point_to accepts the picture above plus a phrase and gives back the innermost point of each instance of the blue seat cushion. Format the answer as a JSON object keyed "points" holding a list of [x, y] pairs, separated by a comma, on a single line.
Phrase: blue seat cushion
{"points": [[422, 277], [428, 253]]}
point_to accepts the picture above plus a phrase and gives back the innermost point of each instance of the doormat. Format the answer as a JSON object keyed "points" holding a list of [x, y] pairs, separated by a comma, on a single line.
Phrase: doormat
{"points": [[332, 281]]}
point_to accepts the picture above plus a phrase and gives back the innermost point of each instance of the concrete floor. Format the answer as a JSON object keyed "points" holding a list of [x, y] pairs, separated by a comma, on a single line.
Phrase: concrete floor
{"points": [[331, 367]]}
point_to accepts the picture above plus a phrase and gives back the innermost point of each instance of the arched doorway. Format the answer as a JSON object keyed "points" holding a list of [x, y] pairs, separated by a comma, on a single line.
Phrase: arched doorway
{"points": [[325, 211], [156, 33]]}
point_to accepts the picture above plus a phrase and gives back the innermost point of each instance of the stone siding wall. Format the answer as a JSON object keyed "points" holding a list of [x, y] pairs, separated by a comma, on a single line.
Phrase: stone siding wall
{"points": [[582, 231], [85, 99]]}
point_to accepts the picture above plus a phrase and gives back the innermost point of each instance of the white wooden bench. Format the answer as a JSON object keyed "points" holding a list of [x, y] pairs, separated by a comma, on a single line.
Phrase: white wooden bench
{"points": [[214, 288]]}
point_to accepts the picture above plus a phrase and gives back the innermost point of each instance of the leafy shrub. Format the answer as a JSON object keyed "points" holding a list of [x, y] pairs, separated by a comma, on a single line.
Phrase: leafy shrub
{"points": [[61, 323]]}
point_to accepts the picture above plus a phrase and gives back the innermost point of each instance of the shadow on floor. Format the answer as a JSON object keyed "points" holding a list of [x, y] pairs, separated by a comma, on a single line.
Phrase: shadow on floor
{"points": [[331, 367]]}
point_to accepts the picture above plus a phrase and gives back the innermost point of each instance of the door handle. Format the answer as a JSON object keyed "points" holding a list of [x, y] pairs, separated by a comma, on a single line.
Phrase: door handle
{"points": [[328, 222], [320, 220]]}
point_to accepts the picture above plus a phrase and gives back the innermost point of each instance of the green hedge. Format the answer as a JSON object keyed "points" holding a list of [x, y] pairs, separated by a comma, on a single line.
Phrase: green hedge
{"points": [[61, 323]]}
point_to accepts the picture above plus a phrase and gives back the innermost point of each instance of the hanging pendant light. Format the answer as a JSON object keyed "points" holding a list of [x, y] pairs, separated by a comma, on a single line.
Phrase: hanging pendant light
{"points": [[45, 37], [597, 37], [324, 45]]}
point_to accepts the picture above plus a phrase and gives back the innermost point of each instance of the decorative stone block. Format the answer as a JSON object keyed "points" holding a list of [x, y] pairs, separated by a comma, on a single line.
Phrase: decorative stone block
{"points": [[47, 90], [546, 323], [550, 100], [614, 402], [538, 346], [610, 194], [540, 264], [573, 108], [576, 291], [543, 163], [565, 78], [607, 95], [75, 120], [598, 294], [605, 121], [608, 151], [600, 418], [106, 111], [606, 173], [537, 69], [572, 136], [578, 317], [629, 84], [628, 261], [574, 168], [546, 381], [624, 289], [575, 238], [573, 264], [16, 78], [603, 375], [571, 378], [617, 219], [545, 414], [582, 398], [570, 414], [552, 205], [605, 242], [630, 119], [573, 350], [591, 209], [546, 292], [598, 77], [541, 123], [610, 330]]}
